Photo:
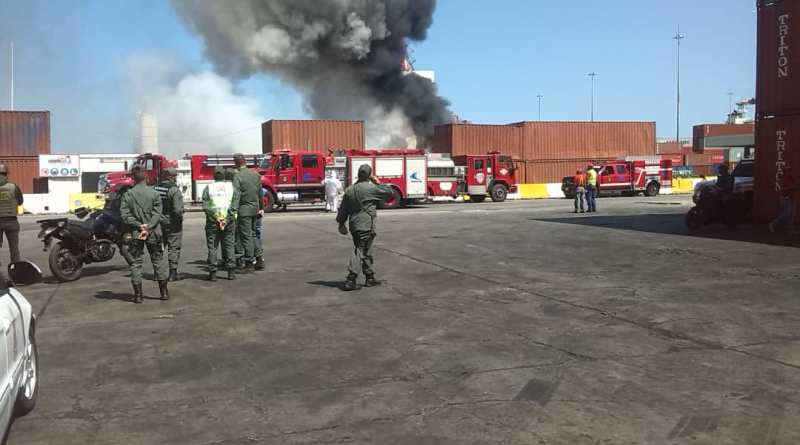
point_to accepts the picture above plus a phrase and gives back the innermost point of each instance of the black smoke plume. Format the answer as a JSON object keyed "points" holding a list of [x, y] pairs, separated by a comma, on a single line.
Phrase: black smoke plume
{"points": [[343, 55]]}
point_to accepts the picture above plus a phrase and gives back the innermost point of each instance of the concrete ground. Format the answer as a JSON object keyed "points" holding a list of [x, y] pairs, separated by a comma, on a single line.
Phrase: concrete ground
{"points": [[514, 323]]}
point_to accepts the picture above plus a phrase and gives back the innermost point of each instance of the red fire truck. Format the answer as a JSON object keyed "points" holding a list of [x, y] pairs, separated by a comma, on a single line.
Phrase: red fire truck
{"points": [[474, 175], [152, 164], [633, 175]]}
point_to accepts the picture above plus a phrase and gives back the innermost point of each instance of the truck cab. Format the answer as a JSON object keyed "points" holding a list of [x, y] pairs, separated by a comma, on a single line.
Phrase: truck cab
{"points": [[151, 164], [493, 174], [294, 177]]}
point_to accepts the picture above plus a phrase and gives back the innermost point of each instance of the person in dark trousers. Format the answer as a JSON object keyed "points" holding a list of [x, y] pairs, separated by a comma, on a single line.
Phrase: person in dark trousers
{"points": [[10, 200], [787, 187], [218, 204], [580, 190], [172, 218], [141, 212], [359, 207], [247, 183], [591, 189]]}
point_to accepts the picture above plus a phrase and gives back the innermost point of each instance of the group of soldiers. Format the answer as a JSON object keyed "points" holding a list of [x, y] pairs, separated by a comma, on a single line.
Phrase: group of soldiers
{"points": [[233, 204]]}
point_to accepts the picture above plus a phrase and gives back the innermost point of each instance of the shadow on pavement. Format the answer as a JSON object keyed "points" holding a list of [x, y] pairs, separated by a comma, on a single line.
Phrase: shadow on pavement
{"points": [[673, 224], [333, 284], [88, 272]]}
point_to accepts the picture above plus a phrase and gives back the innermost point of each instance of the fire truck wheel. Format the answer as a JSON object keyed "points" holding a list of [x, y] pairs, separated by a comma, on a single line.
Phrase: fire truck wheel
{"points": [[652, 189], [499, 193], [477, 198], [393, 201]]}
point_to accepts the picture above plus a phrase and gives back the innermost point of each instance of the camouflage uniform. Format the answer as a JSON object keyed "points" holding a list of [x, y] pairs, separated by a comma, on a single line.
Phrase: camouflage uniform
{"points": [[171, 220]]}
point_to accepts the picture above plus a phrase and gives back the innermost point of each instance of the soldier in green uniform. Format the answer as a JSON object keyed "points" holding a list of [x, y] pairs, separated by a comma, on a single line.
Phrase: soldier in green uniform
{"points": [[247, 183], [219, 199], [359, 206], [10, 199], [172, 218], [141, 211]]}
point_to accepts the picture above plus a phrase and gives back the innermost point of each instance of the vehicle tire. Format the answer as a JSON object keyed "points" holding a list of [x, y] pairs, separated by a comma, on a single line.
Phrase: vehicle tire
{"points": [[393, 201], [63, 264], [477, 198], [499, 193], [29, 391], [269, 202], [652, 189], [694, 219]]}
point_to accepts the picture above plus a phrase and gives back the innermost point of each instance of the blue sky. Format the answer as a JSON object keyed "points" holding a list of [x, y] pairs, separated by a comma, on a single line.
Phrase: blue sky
{"points": [[491, 60]]}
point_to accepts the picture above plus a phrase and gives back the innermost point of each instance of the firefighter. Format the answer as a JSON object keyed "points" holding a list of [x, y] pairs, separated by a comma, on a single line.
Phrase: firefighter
{"points": [[591, 189], [332, 189], [172, 218], [359, 207], [10, 200], [247, 184], [219, 200], [141, 211], [580, 189]]}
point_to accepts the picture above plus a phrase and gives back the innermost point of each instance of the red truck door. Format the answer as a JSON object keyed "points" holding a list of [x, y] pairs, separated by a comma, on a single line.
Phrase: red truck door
{"points": [[287, 170], [606, 178], [478, 176], [311, 169]]}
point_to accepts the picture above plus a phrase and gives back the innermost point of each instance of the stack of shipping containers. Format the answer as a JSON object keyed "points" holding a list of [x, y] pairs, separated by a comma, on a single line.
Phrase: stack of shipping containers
{"points": [[24, 135], [545, 152], [311, 135], [778, 101]]}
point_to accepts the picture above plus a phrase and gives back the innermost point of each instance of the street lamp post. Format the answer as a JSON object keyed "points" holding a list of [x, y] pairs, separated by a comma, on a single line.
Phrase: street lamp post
{"points": [[592, 75], [540, 96], [678, 37]]}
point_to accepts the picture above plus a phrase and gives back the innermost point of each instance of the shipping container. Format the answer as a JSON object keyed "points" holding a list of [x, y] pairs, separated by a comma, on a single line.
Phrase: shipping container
{"points": [[24, 171], [778, 142], [676, 158], [24, 133], [550, 171], [478, 139], [548, 140], [574, 140], [703, 131], [778, 58], [311, 135]]}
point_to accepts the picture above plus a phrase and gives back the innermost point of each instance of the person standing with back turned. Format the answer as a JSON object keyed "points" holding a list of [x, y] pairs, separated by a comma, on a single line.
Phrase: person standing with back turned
{"points": [[580, 189], [172, 218], [141, 211], [591, 189], [219, 199], [10, 200], [247, 184], [359, 206]]}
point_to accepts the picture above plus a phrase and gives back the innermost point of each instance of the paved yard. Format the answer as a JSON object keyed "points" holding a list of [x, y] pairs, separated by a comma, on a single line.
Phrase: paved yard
{"points": [[514, 323]]}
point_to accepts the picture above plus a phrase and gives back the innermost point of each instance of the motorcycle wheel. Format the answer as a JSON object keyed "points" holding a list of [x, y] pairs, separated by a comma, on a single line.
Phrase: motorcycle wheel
{"points": [[694, 219], [64, 265]]}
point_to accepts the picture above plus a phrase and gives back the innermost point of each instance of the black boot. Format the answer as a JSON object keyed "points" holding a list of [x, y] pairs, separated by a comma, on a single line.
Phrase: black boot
{"points": [[162, 286], [231, 274], [260, 263], [173, 275], [138, 295], [350, 283], [371, 281], [212, 276], [246, 267]]}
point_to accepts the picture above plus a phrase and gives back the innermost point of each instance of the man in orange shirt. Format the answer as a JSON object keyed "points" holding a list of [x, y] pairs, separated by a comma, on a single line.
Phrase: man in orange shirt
{"points": [[580, 189], [788, 189]]}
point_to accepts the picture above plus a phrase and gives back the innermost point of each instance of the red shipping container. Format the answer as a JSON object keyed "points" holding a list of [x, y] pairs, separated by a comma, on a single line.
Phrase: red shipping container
{"points": [[311, 135], [778, 59], [23, 171], [700, 132], [478, 139], [778, 142], [24, 133]]}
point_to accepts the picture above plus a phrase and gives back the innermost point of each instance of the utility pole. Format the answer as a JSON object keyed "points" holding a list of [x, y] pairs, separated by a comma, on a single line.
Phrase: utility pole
{"points": [[678, 37], [592, 75], [12, 76], [540, 96]]}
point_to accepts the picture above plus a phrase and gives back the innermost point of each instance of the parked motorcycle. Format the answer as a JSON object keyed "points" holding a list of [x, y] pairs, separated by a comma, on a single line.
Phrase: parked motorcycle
{"points": [[84, 241]]}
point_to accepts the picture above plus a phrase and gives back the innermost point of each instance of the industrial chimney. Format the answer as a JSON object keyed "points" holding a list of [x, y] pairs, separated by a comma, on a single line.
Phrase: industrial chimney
{"points": [[148, 133]]}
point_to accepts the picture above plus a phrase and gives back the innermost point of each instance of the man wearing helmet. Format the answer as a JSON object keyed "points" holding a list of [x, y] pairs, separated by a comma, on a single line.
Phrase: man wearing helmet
{"points": [[10, 200]]}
